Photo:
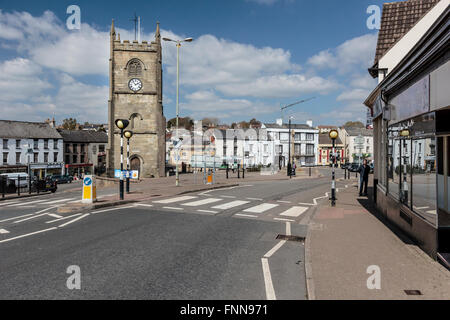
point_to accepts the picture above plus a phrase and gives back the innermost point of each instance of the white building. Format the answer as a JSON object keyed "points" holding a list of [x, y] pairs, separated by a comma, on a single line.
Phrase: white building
{"points": [[35, 143], [352, 151], [304, 143]]}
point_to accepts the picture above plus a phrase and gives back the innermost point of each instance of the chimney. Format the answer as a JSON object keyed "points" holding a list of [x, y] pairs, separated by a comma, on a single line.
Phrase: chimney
{"points": [[52, 123], [280, 122], [309, 123]]}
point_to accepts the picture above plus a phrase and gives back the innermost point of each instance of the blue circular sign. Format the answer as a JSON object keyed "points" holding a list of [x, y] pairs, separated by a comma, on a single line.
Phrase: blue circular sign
{"points": [[87, 181]]}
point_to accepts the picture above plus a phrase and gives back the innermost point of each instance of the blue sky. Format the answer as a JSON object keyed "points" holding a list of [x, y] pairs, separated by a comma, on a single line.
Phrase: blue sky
{"points": [[248, 57]]}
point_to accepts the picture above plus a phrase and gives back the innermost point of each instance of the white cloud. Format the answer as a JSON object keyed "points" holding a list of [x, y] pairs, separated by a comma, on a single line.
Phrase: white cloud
{"points": [[353, 94], [356, 52]]}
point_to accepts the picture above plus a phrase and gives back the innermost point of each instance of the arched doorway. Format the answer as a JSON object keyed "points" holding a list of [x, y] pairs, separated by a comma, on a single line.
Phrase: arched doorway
{"points": [[135, 164]]}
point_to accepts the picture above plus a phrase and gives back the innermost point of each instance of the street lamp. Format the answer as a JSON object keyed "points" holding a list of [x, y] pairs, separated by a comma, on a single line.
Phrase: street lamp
{"points": [[178, 44], [122, 125], [128, 134], [405, 133], [334, 134], [289, 161]]}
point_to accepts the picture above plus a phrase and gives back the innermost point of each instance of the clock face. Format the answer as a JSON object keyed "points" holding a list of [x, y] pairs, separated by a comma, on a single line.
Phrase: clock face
{"points": [[135, 85]]}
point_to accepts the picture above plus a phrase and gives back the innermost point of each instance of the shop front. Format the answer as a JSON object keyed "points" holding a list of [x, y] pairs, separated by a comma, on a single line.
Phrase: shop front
{"points": [[79, 170], [411, 110], [41, 170]]}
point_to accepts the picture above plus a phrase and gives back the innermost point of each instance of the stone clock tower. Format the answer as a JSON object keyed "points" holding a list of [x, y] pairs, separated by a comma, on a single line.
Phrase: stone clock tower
{"points": [[135, 94]]}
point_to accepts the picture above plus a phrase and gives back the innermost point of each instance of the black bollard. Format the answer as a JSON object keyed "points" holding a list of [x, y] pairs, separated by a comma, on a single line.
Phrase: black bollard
{"points": [[227, 170]]}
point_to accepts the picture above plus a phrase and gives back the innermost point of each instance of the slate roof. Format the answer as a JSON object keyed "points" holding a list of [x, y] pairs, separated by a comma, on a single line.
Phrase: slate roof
{"points": [[84, 136], [397, 19], [27, 130], [354, 132], [286, 126]]}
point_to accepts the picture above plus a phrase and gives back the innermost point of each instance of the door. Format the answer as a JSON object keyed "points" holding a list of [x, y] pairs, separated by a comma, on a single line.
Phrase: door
{"points": [[135, 164]]}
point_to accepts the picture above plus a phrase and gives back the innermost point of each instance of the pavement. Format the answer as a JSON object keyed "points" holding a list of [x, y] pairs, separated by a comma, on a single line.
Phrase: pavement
{"points": [[347, 243]]}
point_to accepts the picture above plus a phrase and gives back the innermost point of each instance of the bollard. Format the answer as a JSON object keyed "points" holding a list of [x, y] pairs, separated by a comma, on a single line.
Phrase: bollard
{"points": [[227, 170], [243, 172], [18, 185], [239, 172], [310, 171]]}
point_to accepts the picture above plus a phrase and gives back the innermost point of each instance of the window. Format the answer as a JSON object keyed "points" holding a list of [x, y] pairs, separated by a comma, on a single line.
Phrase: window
{"points": [[310, 149], [284, 136], [280, 149], [36, 157], [75, 148], [55, 157], [45, 144], [298, 137], [266, 148], [134, 68], [297, 148], [367, 149], [18, 157], [75, 159], [424, 178], [393, 167], [36, 143], [55, 144], [101, 148], [310, 136], [82, 158], [67, 161], [82, 149], [46, 157], [5, 143], [5, 157], [18, 143]]}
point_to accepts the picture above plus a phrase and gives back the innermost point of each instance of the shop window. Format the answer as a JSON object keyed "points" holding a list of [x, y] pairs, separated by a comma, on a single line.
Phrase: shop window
{"points": [[424, 178], [393, 167], [405, 172]]}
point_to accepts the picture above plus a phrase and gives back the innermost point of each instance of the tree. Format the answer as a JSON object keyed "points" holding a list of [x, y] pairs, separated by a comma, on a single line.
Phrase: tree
{"points": [[255, 123], [354, 124], [69, 124], [186, 123], [210, 122]]}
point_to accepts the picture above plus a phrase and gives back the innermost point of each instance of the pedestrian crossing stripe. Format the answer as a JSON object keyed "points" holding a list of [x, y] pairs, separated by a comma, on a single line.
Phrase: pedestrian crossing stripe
{"points": [[230, 205], [201, 202], [294, 212], [261, 208], [173, 200]]}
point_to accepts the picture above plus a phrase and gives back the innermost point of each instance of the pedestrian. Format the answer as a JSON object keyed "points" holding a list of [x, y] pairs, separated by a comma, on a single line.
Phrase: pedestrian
{"points": [[364, 172]]}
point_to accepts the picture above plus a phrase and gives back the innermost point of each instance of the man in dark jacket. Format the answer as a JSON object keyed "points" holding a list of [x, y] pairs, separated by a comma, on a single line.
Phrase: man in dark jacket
{"points": [[364, 172]]}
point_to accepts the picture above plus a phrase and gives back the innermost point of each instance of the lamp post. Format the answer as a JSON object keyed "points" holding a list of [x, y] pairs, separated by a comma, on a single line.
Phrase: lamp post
{"points": [[128, 134], [122, 125], [289, 161], [178, 44], [333, 136], [404, 196]]}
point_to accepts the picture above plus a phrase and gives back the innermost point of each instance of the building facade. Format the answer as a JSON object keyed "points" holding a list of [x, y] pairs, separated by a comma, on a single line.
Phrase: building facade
{"points": [[325, 150], [411, 112], [356, 151], [135, 94], [84, 151], [36, 144]]}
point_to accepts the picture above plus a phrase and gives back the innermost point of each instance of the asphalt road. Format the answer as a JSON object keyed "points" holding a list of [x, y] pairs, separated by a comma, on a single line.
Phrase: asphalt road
{"points": [[209, 245]]}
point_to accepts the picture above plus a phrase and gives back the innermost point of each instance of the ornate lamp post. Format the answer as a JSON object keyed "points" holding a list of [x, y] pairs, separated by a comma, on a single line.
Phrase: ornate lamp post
{"points": [[128, 134], [122, 125], [333, 136], [404, 195]]}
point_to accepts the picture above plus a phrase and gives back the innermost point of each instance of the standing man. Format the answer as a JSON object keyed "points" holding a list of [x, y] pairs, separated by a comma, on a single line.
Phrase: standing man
{"points": [[364, 172]]}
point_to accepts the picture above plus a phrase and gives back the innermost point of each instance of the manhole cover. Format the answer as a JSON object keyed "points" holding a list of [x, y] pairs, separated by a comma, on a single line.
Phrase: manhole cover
{"points": [[290, 238], [413, 292]]}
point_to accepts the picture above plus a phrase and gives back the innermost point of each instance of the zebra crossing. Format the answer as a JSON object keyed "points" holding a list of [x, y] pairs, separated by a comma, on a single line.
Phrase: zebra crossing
{"points": [[240, 208]]}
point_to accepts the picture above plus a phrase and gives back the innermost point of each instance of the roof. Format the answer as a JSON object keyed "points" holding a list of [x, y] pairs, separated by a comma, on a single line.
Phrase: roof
{"points": [[324, 138], [27, 130], [286, 126], [354, 132], [397, 19], [85, 136]]}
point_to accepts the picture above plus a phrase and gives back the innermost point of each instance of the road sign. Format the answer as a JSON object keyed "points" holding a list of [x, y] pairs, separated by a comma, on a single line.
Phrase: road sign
{"points": [[135, 174], [89, 190]]}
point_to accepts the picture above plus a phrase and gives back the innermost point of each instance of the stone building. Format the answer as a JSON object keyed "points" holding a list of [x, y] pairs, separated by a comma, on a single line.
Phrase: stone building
{"points": [[135, 94]]}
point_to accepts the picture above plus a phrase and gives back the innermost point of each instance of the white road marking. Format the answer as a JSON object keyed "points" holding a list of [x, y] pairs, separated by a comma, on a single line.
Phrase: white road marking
{"points": [[270, 291], [245, 215], [58, 201], [280, 201], [14, 218], [255, 199], [64, 218], [229, 197], [143, 205], [288, 228], [3, 231], [5, 203], [25, 203], [261, 208], [74, 220], [208, 211], [432, 212], [76, 201], [107, 195], [28, 234], [201, 202], [57, 216], [105, 210], [173, 200], [32, 217], [274, 249], [284, 220], [173, 208], [230, 205], [420, 208], [294, 212], [307, 204]]}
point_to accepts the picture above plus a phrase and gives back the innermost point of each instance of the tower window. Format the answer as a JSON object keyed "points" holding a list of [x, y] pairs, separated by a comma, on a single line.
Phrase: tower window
{"points": [[134, 68]]}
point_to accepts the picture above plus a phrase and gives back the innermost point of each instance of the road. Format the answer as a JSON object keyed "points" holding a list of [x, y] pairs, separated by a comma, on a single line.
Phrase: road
{"points": [[220, 244]]}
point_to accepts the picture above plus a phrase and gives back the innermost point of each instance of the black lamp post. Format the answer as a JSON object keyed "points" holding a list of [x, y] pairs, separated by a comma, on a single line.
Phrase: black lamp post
{"points": [[333, 136], [289, 161], [122, 125], [128, 134]]}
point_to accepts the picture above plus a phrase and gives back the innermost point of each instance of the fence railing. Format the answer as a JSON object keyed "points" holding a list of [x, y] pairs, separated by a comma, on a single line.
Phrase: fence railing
{"points": [[20, 185]]}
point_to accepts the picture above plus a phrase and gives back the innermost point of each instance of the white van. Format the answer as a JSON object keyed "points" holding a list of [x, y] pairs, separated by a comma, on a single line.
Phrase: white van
{"points": [[15, 177]]}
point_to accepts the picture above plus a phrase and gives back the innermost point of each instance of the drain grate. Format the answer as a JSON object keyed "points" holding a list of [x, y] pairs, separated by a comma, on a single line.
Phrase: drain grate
{"points": [[290, 238], [413, 292]]}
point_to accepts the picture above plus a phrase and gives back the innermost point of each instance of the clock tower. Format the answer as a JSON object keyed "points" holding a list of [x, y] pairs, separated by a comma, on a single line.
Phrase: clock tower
{"points": [[135, 94]]}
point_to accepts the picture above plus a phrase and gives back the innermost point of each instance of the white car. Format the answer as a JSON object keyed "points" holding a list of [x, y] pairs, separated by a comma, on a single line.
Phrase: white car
{"points": [[15, 177]]}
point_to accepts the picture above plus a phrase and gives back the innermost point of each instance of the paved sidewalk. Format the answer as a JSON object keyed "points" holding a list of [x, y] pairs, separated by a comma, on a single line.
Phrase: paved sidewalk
{"points": [[345, 240]]}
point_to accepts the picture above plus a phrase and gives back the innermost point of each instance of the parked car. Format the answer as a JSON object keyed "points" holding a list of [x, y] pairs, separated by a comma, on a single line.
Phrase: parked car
{"points": [[48, 184], [69, 178], [353, 167], [60, 179]]}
